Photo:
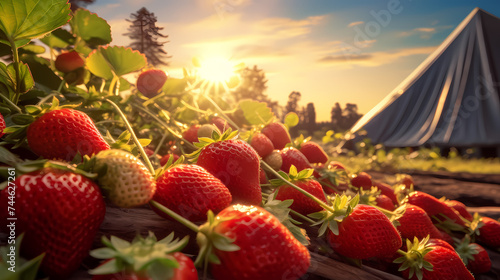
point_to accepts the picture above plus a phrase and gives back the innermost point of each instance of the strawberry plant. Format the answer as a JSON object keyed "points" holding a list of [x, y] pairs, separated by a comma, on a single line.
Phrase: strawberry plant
{"points": [[261, 199]]}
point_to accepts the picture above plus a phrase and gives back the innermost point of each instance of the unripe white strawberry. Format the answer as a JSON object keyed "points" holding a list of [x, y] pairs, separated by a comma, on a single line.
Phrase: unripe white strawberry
{"points": [[126, 182]]}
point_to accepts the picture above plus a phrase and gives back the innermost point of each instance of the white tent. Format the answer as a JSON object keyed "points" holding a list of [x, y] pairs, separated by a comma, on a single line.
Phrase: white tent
{"points": [[451, 99]]}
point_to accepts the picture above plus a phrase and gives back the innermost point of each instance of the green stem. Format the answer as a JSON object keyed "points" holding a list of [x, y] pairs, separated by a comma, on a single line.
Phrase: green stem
{"points": [[17, 67], [112, 84], [302, 191], [175, 216], [43, 100], [11, 104], [162, 141], [134, 137], [305, 218], [221, 112], [61, 85], [162, 123]]}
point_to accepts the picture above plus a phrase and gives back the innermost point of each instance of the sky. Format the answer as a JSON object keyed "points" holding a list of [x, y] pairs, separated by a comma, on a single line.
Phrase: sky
{"points": [[328, 50]]}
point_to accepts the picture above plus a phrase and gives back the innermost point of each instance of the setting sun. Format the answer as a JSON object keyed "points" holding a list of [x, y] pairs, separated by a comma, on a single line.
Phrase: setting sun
{"points": [[216, 69]]}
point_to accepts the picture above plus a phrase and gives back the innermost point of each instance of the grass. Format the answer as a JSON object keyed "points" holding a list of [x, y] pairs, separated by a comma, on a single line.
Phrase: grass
{"points": [[457, 164]]}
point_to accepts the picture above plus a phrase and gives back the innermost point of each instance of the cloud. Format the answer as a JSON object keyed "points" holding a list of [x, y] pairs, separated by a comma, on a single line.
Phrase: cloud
{"points": [[346, 57], [372, 59], [287, 27], [424, 32], [259, 51], [355, 23]]}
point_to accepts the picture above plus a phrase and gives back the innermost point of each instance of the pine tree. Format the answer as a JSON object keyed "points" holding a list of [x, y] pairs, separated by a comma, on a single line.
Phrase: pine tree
{"points": [[145, 37]]}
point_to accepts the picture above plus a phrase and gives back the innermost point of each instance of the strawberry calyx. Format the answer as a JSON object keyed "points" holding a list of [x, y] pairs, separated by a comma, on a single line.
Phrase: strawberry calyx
{"points": [[447, 225], [281, 210], [297, 142], [23, 269], [466, 249], [142, 256], [474, 226], [208, 240], [216, 137], [369, 197], [170, 164], [330, 178], [342, 206], [413, 258], [293, 176]]}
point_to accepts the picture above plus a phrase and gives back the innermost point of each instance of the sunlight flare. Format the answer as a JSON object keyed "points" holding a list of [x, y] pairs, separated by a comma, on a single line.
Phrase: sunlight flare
{"points": [[216, 69]]}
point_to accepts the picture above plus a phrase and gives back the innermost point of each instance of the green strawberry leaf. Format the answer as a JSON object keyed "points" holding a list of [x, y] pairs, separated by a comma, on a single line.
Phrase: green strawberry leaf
{"points": [[8, 76], [91, 28], [106, 62], [174, 86], [23, 20], [98, 65], [41, 72], [59, 38], [256, 113]]}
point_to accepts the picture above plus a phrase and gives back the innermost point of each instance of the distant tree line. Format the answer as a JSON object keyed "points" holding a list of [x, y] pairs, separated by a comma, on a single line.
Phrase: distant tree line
{"points": [[253, 86]]}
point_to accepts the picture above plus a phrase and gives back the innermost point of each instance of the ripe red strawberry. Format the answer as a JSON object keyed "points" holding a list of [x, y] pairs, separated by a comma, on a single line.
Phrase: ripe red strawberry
{"points": [[60, 213], [313, 152], [190, 191], [127, 182], [263, 177], [191, 134], [267, 249], [164, 159], [69, 61], [416, 223], [460, 207], [365, 233], [62, 133], [303, 180], [291, 156], [481, 262], [446, 237], [422, 261], [475, 257], [262, 145], [143, 259], [489, 232], [2, 125], [220, 123], [439, 242], [151, 81], [336, 165], [278, 134], [434, 207], [406, 180], [387, 190], [362, 180], [236, 164], [383, 201]]}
